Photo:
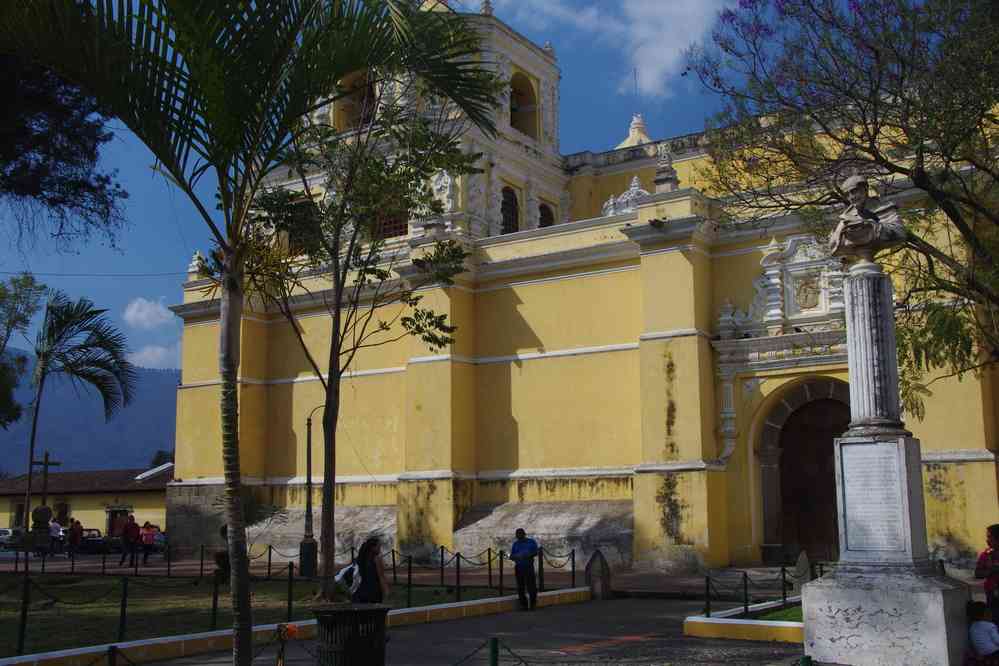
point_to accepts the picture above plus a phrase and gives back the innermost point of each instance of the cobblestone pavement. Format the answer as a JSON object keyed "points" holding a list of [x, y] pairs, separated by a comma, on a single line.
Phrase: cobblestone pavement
{"points": [[624, 631]]}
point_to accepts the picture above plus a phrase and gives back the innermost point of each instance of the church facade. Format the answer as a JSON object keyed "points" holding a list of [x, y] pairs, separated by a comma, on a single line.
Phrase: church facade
{"points": [[628, 374]]}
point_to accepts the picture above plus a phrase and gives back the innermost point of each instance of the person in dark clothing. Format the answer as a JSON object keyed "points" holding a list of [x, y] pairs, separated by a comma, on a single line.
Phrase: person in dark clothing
{"points": [[374, 585], [129, 541], [522, 552], [987, 567]]}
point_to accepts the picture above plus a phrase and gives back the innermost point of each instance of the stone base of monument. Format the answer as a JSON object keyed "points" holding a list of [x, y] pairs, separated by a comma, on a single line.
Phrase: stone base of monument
{"points": [[883, 604], [875, 619]]}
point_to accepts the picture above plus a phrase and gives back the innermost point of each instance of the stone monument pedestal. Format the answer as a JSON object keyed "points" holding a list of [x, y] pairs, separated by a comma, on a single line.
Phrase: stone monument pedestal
{"points": [[884, 602]]}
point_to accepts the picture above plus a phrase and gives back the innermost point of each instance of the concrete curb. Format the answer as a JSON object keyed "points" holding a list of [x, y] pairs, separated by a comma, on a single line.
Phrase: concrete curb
{"points": [[724, 625], [174, 647]]}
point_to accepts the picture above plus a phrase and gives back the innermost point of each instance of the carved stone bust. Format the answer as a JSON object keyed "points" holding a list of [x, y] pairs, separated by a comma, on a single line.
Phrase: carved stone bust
{"points": [[867, 225]]}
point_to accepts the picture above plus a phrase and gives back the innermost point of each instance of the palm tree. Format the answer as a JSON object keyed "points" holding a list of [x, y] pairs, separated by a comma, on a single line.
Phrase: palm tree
{"points": [[218, 89], [77, 342]]}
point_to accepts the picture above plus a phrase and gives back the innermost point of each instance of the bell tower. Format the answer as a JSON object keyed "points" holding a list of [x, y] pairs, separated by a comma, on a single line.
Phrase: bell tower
{"points": [[522, 184]]}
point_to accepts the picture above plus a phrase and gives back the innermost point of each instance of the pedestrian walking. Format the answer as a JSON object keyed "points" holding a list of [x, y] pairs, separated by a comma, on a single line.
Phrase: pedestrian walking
{"points": [[523, 552], [75, 536], [374, 587], [129, 541], [55, 536], [147, 535]]}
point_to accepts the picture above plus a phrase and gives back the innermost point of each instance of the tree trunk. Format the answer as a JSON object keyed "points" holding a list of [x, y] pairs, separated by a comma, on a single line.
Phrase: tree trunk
{"points": [[327, 519], [230, 316], [31, 466]]}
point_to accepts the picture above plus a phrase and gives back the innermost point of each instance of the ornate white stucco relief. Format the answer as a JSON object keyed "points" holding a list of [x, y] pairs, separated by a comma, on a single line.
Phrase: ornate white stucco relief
{"points": [[626, 201], [800, 289], [444, 190]]}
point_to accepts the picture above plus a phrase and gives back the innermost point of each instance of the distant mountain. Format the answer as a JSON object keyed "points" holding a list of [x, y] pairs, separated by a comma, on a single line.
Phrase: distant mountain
{"points": [[72, 428]]}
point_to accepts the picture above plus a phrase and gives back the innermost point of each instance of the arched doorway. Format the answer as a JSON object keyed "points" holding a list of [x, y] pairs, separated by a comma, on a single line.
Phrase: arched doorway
{"points": [[808, 478], [798, 472]]}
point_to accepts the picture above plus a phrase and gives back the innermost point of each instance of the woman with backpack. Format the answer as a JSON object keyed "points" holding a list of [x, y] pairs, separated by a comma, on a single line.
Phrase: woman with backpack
{"points": [[374, 587]]}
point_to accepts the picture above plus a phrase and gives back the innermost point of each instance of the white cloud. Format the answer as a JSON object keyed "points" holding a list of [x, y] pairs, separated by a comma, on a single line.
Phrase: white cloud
{"points": [[652, 34], [146, 315], [157, 356]]}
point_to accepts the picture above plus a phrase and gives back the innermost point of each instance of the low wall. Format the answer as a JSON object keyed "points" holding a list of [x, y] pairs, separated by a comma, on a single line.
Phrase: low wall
{"points": [[174, 647], [726, 624]]}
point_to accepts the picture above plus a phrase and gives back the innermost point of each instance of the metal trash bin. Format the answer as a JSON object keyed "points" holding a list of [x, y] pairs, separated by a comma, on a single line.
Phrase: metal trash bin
{"points": [[351, 634]]}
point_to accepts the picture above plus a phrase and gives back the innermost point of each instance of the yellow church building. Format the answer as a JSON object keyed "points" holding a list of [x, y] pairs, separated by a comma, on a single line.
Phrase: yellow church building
{"points": [[628, 374]]}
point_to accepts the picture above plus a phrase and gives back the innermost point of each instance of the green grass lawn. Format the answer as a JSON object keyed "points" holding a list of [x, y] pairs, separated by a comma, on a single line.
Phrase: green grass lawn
{"points": [[790, 614], [75, 611]]}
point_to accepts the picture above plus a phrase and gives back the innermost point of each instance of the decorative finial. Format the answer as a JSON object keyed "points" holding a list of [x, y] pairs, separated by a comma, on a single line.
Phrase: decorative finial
{"points": [[197, 264], [486, 8], [549, 48]]}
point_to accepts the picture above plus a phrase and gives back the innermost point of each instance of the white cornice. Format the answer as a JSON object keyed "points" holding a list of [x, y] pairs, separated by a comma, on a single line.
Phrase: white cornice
{"points": [[679, 466], [958, 456], [674, 333]]}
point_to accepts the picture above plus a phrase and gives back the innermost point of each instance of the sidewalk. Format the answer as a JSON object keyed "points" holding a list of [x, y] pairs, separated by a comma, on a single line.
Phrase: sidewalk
{"points": [[622, 631]]}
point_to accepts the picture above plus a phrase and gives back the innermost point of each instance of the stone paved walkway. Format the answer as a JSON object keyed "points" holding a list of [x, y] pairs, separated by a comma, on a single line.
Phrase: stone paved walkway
{"points": [[623, 631]]}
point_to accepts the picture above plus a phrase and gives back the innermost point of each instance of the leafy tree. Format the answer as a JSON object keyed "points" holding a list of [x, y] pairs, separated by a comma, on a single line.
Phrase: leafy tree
{"points": [[351, 194], [20, 298], [218, 90], [76, 341], [161, 457], [903, 91], [51, 135]]}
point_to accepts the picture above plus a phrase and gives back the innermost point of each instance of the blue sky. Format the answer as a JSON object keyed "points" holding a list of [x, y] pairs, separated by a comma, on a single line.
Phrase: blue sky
{"points": [[600, 44]]}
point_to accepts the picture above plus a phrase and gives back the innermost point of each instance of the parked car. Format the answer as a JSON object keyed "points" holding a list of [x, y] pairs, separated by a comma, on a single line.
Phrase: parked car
{"points": [[10, 537], [93, 542]]}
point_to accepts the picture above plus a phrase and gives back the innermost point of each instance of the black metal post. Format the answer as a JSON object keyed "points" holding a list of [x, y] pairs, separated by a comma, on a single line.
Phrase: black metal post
{"points": [[541, 569], [25, 600], [17, 560], [44, 557], [201, 571], [822, 570], [489, 562], [501, 573], [291, 586], [123, 614], [572, 559], [943, 567], [395, 577], [457, 577], [135, 562], [72, 562], [168, 558], [215, 602], [783, 587], [112, 655], [409, 581], [104, 564], [270, 548], [442, 566], [493, 651], [745, 593], [707, 596]]}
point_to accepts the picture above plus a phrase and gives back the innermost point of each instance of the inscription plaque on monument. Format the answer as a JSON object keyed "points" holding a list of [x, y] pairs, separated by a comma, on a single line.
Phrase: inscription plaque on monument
{"points": [[872, 501]]}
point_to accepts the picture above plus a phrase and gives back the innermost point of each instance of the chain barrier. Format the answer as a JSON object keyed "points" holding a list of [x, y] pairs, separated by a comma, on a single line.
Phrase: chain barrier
{"points": [[272, 641], [471, 654], [290, 557], [476, 563], [65, 602], [256, 557], [552, 564], [150, 581], [520, 660]]}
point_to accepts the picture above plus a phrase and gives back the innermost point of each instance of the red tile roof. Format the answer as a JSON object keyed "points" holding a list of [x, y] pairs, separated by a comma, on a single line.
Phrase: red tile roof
{"points": [[98, 481]]}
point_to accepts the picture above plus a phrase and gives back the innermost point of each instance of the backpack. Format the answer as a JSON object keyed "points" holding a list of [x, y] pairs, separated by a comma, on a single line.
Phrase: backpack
{"points": [[349, 577]]}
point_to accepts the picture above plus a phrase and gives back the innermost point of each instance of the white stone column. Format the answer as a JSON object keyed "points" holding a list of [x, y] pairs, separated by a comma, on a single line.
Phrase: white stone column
{"points": [[871, 349]]}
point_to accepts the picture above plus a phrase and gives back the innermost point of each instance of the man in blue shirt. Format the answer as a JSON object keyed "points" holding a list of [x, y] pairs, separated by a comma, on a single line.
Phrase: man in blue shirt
{"points": [[522, 552]]}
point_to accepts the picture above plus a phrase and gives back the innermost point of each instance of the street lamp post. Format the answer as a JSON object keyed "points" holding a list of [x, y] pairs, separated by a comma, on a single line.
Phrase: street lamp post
{"points": [[308, 549]]}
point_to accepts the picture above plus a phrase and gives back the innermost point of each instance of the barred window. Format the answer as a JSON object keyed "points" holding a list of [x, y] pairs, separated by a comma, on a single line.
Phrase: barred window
{"points": [[546, 217], [510, 211]]}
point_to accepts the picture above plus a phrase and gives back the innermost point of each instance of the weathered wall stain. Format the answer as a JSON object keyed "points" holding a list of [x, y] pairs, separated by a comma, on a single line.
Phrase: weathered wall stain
{"points": [[670, 450], [671, 510]]}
